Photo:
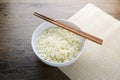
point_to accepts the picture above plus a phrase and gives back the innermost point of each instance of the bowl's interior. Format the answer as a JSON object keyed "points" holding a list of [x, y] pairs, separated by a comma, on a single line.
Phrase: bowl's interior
{"points": [[45, 26]]}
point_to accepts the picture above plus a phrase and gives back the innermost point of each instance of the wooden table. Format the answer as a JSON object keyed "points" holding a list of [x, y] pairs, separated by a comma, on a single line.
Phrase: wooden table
{"points": [[17, 60]]}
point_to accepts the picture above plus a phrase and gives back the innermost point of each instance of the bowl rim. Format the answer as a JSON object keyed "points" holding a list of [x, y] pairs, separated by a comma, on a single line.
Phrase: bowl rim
{"points": [[56, 64]]}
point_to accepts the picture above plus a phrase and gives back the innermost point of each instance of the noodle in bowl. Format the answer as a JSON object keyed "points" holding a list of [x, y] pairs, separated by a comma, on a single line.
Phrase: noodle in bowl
{"points": [[56, 46]]}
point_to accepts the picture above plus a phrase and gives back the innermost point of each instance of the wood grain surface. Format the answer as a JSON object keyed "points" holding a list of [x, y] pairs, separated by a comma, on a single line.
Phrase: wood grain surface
{"points": [[17, 23]]}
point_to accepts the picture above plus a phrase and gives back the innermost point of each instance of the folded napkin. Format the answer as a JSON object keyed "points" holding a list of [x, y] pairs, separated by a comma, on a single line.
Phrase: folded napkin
{"points": [[98, 62]]}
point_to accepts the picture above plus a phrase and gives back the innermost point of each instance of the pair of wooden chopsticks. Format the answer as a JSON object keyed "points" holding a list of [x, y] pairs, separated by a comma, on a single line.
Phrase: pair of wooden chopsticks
{"points": [[81, 33]]}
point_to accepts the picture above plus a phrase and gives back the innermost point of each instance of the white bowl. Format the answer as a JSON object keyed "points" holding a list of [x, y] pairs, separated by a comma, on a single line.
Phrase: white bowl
{"points": [[45, 26]]}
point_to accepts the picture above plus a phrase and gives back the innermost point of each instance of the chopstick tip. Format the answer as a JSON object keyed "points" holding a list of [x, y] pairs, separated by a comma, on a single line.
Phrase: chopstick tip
{"points": [[34, 13]]}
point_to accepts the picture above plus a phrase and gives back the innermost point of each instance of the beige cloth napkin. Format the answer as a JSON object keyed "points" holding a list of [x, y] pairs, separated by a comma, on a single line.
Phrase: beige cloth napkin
{"points": [[98, 62]]}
